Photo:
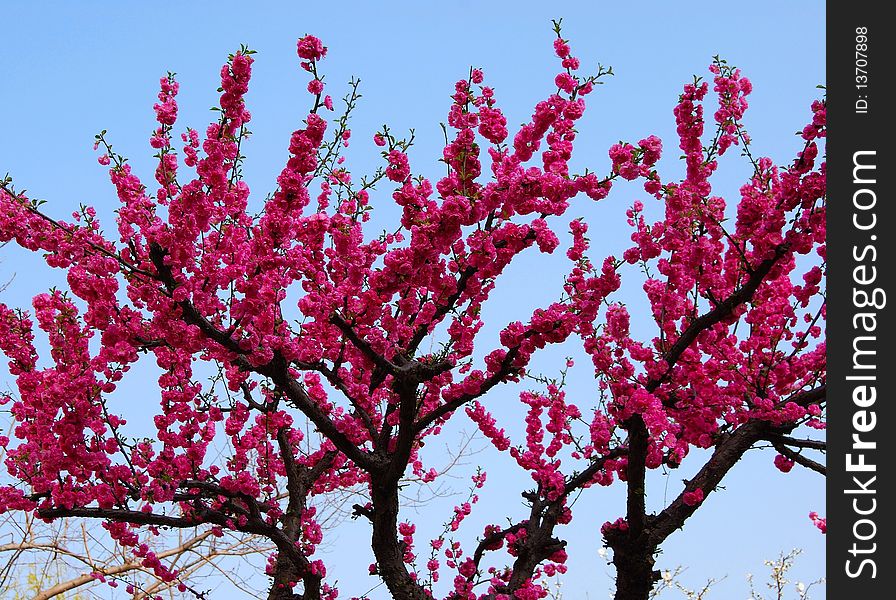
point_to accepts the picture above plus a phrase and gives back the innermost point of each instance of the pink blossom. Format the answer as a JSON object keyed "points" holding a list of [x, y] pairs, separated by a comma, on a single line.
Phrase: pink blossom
{"points": [[820, 522], [693, 498], [311, 48]]}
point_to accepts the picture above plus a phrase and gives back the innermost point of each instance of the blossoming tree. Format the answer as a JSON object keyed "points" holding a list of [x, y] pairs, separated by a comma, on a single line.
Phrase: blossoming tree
{"points": [[344, 395]]}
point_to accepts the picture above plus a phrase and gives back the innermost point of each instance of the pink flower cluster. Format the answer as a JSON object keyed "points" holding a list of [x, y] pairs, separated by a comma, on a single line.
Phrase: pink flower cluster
{"points": [[820, 522], [732, 89]]}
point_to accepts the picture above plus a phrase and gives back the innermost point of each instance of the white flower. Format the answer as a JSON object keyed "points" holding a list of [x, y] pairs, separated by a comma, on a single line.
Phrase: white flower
{"points": [[602, 552], [800, 587], [667, 576]]}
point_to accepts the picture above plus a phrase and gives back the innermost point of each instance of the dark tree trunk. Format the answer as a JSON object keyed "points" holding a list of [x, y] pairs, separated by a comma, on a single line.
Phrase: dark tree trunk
{"points": [[386, 547], [633, 549], [281, 592], [635, 575], [287, 571]]}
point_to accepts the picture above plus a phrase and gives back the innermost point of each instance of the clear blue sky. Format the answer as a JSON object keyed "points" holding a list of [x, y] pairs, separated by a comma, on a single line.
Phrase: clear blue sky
{"points": [[71, 69]]}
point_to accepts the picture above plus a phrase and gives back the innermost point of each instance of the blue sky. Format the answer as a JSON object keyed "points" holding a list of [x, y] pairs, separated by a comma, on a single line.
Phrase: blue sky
{"points": [[73, 69]]}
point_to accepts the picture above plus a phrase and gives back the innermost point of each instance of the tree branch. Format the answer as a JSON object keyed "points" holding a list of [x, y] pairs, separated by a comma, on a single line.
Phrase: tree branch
{"points": [[727, 453], [800, 459], [821, 445], [375, 357], [721, 311], [490, 382]]}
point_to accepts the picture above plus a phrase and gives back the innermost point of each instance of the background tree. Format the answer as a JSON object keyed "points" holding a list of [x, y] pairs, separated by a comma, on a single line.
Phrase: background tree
{"points": [[343, 392], [70, 560]]}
